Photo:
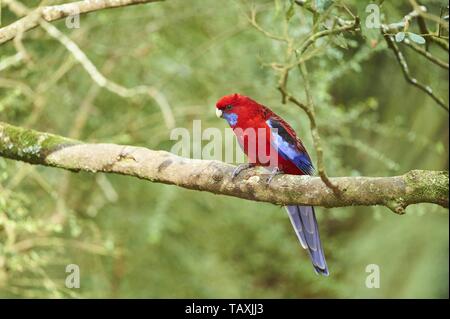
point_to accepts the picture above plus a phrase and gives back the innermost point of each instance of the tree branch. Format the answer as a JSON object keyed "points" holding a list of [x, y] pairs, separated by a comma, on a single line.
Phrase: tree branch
{"points": [[353, 26], [57, 12], [215, 177]]}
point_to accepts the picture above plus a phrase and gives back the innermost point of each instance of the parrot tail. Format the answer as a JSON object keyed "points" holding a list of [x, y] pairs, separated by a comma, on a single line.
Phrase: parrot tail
{"points": [[304, 221]]}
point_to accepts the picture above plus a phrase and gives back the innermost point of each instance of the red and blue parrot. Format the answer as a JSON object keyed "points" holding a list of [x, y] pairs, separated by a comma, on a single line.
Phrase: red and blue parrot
{"points": [[283, 152]]}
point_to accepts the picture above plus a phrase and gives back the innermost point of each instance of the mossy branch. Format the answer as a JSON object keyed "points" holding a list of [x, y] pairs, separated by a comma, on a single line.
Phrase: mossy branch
{"points": [[395, 192]]}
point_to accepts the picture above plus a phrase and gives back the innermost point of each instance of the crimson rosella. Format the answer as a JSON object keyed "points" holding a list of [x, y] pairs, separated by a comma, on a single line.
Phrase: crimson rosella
{"points": [[269, 141]]}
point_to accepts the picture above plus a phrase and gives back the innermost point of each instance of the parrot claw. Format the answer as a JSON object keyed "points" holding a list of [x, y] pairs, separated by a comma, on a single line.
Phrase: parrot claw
{"points": [[240, 168], [276, 171]]}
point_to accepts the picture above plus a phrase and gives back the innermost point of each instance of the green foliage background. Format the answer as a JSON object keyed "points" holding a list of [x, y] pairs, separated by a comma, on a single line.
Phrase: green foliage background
{"points": [[132, 238]]}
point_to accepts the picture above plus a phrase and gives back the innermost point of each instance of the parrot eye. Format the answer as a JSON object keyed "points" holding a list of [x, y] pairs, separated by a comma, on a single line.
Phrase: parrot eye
{"points": [[228, 107]]}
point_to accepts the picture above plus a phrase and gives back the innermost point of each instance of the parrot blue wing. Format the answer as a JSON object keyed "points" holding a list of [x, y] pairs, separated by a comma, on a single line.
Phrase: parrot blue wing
{"points": [[283, 139], [303, 218]]}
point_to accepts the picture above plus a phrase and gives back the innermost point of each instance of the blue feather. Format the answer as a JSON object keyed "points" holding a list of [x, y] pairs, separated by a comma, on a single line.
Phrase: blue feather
{"points": [[231, 118], [287, 147]]}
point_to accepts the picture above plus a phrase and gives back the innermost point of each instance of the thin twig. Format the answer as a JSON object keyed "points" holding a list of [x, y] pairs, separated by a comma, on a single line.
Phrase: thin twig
{"points": [[421, 10], [429, 37], [313, 38], [307, 5], [11, 61], [315, 131], [252, 20], [426, 54], [286, 96], [405, 69]]}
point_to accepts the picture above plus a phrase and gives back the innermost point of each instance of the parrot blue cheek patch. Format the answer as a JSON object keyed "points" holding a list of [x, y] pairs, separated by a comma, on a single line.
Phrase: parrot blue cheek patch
{"points": [[231, 118]]}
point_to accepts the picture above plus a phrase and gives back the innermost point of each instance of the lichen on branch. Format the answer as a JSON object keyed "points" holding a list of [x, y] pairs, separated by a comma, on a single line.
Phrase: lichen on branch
{"points": [[395, 192]]}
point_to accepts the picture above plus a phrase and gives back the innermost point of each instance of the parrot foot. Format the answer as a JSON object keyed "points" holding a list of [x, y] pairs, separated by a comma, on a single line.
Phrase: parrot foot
{"points": [[276, 171], [240, 168]]}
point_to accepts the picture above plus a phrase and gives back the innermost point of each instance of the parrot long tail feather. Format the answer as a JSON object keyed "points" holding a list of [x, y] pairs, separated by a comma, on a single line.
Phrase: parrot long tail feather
{"points": [[304, 221]]}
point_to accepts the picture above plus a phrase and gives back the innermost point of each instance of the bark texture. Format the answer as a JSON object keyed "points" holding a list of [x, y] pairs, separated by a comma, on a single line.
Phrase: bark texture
{"points": [[396, 192]]}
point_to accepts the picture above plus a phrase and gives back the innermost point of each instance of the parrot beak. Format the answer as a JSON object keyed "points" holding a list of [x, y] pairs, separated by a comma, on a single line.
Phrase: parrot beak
{"points": [[219, 113]]}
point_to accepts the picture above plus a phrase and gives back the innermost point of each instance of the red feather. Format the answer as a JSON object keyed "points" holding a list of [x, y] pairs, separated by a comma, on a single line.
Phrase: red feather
{"points": [[251, 114], [242, 113]]}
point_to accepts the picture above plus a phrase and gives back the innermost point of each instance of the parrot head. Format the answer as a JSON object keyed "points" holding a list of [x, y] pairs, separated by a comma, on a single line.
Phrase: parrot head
{"points": [[235, 106]]}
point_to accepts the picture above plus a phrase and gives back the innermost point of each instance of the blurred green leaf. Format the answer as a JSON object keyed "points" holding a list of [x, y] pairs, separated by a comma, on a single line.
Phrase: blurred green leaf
{"points": [[323, 5], [400, 36], [340, 41], [416, 38], [290, 11]]}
